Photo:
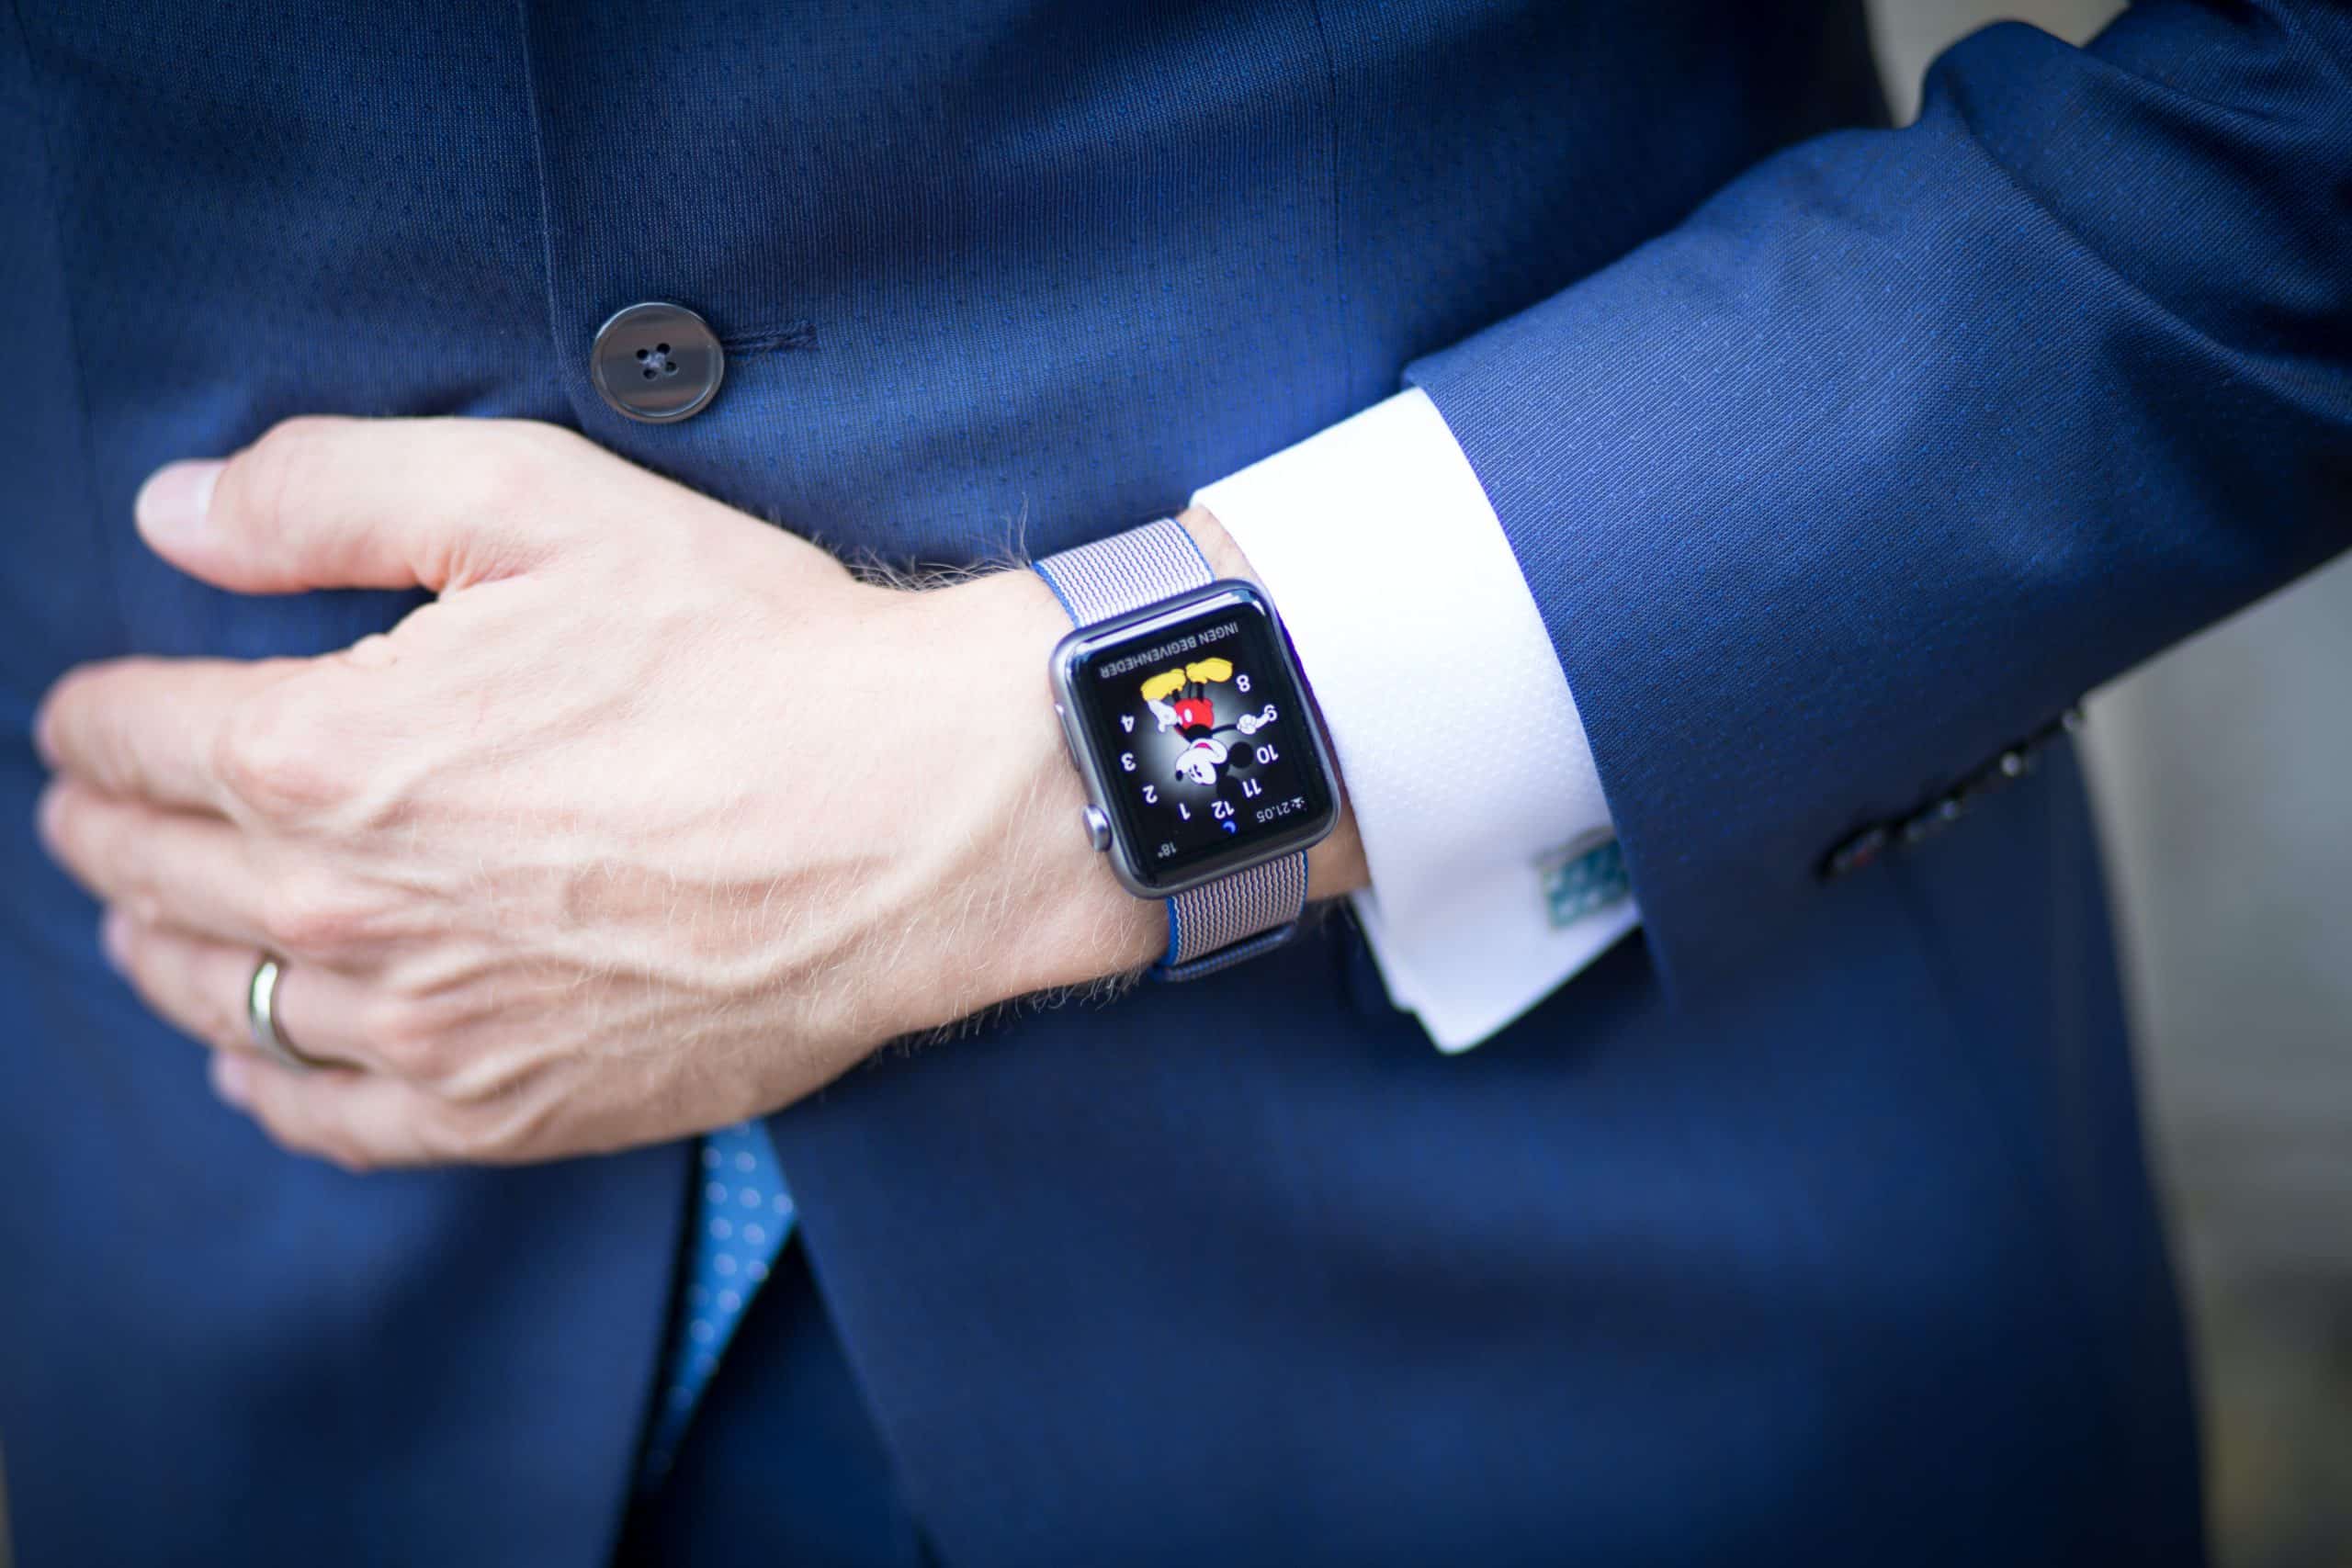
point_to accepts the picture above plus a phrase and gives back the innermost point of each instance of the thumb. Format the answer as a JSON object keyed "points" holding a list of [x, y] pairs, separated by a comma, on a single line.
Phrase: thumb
{"points": [[333, 502]]}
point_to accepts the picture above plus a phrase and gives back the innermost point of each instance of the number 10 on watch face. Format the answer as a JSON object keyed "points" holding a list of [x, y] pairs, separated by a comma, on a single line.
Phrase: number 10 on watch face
{"points": [[1202, 747]]}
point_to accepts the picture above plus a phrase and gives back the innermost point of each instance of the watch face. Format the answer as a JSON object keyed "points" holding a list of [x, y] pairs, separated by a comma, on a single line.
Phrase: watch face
{"points": [[1204, 752]]}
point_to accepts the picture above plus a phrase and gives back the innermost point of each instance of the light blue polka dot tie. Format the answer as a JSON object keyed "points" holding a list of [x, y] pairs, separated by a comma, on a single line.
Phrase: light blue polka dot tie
{"points": [[741, 1218]]}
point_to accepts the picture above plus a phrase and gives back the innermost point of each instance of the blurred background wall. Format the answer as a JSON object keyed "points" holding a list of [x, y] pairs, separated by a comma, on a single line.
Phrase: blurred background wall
{"points": [[2224, 776]]}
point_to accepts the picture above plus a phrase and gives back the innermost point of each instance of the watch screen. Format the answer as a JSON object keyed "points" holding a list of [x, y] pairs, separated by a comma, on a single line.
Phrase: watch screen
{"points": [[1202, 740]]}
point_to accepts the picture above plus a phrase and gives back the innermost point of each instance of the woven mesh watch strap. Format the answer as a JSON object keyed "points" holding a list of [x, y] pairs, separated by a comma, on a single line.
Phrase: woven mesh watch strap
{"points": [[1234, 918], [1237, 917], [1126, 571]]}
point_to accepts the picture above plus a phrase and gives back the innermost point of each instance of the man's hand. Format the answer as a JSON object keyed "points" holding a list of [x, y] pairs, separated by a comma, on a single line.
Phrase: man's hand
{"points": [[656, 818]]}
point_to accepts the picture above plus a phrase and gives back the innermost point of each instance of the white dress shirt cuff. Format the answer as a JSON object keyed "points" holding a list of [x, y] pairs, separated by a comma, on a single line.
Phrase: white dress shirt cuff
{"points": [[1473, 789]]}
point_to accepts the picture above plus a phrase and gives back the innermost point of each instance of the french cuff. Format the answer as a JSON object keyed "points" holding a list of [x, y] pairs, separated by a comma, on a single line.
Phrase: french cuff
{"points": [[1495, 876]]}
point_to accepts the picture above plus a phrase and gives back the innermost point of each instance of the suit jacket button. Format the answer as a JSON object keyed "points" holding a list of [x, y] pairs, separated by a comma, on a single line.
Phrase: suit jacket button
{"points": [[657, 362]]}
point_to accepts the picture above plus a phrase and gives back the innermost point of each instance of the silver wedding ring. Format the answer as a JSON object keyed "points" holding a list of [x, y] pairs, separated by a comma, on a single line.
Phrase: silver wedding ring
{"points": [[261, 1012]]}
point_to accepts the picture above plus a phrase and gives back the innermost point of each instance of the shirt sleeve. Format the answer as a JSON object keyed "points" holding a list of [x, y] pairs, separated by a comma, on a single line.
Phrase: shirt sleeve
{"points": [[1495, 875]]}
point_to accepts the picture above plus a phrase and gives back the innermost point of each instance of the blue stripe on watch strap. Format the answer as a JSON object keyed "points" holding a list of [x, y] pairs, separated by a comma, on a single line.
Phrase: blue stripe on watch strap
{"points": [[1255, 909]]}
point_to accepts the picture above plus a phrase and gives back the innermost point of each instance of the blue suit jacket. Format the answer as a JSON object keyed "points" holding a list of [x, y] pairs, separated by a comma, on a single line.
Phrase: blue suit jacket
{"points": [[1811, 1227]]}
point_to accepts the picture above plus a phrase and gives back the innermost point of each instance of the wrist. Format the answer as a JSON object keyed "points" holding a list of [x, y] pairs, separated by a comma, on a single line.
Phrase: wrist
{"points": [[1036, 908], [1045, 910], [1337, 864]]}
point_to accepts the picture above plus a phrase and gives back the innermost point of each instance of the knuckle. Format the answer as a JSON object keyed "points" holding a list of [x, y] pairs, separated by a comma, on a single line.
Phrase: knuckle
{"points": [[317, 915], [100, 842], [190, 1000], [374, 651], [272, 754], [413, 1041], [221, 1022], [506, 468], [494, 1074], [504, 475], [265, 484]]}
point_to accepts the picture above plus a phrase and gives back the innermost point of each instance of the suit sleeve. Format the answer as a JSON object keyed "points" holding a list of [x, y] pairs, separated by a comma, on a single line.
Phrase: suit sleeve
{"points": [[1907, 438]]}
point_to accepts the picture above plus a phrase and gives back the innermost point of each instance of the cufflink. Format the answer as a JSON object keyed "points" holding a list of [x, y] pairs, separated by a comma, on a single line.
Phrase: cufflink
{"points": [[1583, 878]]}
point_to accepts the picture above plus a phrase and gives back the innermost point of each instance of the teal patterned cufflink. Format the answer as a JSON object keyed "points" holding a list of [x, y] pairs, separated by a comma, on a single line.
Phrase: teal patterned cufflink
{"points": [[1584, 879]]}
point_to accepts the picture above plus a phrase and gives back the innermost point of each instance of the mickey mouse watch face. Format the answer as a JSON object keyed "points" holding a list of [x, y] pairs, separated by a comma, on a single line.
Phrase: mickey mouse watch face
{"points": [[1193, 731]]}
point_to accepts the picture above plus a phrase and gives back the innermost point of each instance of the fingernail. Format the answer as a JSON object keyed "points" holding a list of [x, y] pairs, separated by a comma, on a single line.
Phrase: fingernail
{"points": [[172, 503], [231, 1077], [114, 938]]}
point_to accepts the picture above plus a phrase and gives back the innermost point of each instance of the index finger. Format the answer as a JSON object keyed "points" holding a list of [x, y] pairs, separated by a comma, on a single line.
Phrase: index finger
{"points": [[151, 728]]}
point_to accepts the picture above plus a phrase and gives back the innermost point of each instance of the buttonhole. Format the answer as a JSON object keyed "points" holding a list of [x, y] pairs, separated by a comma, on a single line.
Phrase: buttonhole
{"points": [[790, 336]]}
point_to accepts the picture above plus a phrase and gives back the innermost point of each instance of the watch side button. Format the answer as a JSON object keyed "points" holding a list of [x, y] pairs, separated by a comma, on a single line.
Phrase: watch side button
{"points": [[1098, 826]]}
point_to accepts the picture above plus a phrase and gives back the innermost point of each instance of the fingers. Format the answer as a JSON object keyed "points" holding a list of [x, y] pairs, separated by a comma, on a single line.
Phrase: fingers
{"points": [[152, 727], [333, 502], [356, 1108], [190, 871], [199, 987], [359, 1121]]}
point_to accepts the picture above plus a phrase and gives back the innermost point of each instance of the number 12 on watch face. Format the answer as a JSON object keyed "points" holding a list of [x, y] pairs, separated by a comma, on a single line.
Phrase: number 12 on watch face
{"points": [[1202, 742], [1218, 747]]}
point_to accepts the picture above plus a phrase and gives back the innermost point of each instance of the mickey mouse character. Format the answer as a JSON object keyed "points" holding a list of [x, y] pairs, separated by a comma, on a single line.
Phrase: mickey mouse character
{"points": [[1193, 711], [1200, 761], [1192, 715]]}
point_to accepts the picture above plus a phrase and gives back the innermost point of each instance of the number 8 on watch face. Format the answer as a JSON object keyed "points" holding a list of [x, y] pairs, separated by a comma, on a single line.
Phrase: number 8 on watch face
{"points": [[1203, 745]]}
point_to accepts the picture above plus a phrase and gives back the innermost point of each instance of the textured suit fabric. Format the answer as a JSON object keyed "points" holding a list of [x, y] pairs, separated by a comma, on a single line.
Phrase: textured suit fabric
{"points": [[1949, 426], [1844, 1252]]}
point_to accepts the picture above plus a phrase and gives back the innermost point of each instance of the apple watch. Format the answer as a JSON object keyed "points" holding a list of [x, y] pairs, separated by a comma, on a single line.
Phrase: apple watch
{"points": [[1206, 775]]}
